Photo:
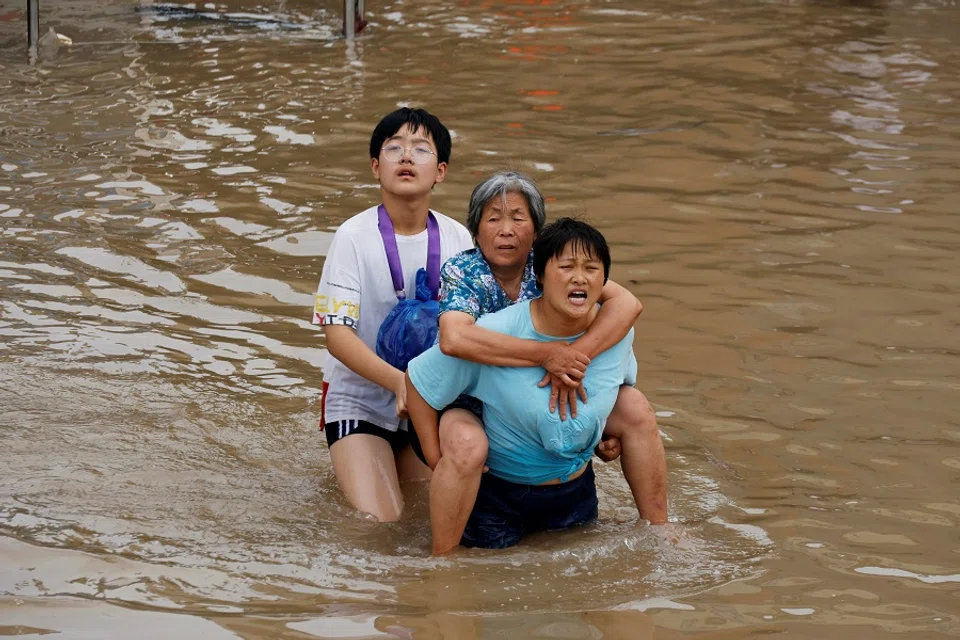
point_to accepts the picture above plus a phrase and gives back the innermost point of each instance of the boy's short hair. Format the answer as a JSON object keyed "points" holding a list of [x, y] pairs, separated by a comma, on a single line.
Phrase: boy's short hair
{"points": [[417, 119], [558, 234]]}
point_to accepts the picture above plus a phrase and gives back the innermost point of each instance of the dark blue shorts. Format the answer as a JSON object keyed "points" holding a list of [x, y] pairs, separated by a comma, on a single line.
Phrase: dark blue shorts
{"points": [[506, 511]]}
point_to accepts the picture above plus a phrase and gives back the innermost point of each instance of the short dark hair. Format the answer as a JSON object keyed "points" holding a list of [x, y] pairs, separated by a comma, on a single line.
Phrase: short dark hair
{"points": [[417, 119], [558, 234]]}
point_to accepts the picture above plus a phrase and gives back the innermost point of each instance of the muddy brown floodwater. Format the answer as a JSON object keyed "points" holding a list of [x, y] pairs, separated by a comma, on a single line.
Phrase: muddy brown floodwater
{"points": [[778, 181]]}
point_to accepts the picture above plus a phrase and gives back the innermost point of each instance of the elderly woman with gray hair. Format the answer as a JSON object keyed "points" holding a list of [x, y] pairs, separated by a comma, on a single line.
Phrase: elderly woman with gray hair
{"points": [[506, 214]]}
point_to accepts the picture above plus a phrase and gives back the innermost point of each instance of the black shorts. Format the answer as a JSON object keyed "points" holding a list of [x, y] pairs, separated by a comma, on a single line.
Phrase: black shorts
{"points": [[506, 511], [471, 404], [463, 401], [343, 428]]}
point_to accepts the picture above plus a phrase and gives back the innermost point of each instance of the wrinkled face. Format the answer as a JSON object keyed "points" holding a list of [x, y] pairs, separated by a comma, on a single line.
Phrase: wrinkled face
{"points": [[404, 177], [572, 282], [506, 231]]}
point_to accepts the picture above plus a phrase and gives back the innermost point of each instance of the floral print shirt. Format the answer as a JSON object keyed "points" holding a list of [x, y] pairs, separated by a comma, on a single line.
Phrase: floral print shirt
{"points": [[468, 285]]}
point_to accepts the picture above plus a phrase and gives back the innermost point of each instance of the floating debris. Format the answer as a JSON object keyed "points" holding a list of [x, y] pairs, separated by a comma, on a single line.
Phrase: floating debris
{"points": [[52, 39]]}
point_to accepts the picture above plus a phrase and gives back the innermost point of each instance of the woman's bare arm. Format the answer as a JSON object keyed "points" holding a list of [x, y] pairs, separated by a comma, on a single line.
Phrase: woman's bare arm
{"points": [[460, 337]]}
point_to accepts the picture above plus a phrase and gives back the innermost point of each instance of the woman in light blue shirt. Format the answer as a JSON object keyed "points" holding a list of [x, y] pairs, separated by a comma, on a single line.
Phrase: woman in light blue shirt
{"points": [[539, 465]]}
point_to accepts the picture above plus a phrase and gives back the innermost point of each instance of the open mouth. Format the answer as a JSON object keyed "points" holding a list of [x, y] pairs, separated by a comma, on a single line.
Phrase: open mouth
{"points": [[406, 173], [577, 297], [505, 247]]}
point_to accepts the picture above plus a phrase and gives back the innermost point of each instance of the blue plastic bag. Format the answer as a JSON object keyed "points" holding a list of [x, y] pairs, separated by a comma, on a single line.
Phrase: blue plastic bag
{"points": [[410, 328]]}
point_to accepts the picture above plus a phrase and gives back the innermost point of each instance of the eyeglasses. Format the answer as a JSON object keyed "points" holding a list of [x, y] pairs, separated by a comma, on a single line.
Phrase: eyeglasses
{"points": [[419, 154]]}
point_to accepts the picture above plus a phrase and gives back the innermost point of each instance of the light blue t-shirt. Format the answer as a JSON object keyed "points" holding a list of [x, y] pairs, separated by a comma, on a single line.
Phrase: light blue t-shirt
{"points": [[527, 443]]}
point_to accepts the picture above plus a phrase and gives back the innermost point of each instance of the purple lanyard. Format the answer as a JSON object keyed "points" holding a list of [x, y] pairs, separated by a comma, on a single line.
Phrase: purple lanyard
{"points": [[393, 255]]}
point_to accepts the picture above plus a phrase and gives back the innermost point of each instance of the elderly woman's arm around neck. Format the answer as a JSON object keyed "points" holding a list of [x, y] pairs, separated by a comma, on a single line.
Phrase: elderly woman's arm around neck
{"points": [[460, 337]]}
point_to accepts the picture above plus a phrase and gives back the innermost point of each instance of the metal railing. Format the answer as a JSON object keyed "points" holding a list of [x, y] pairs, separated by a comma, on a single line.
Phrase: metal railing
{"points": [[33, 23], [353, 11], [352, 16]]}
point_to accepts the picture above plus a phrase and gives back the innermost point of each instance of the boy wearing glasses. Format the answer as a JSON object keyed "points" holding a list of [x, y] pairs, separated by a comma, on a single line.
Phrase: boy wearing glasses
{"points": [[364, 399]]}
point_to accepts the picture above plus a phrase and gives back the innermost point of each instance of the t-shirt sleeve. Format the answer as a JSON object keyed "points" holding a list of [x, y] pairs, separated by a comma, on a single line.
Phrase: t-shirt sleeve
{"points": [[466, 240], [441, 378], [458, 290], [338, 296], [629, 360], [508, 321]]}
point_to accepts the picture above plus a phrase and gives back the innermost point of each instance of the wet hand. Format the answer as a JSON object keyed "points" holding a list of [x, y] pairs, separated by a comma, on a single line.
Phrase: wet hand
{"points": [[609, 448], [565, 362], [562, 395]]}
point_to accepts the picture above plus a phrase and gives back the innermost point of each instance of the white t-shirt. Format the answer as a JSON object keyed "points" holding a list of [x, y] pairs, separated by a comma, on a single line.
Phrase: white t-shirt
{"points": [[356, 291]]}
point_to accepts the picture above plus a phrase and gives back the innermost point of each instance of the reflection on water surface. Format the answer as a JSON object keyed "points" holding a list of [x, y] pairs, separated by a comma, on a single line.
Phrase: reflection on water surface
{"points": [[170, 186]]}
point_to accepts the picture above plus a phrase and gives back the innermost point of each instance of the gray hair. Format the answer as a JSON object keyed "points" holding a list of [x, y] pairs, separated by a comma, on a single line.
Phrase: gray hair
{"points": [[499, 185]]}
